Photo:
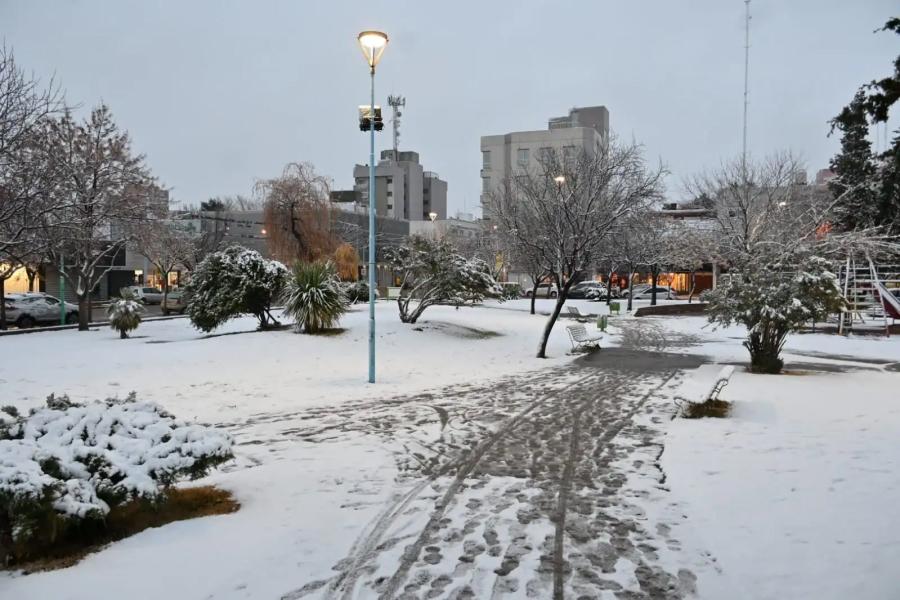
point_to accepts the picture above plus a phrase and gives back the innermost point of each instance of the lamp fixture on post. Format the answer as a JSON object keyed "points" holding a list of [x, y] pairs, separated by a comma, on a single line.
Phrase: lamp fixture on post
{"points": [[372, 44]]}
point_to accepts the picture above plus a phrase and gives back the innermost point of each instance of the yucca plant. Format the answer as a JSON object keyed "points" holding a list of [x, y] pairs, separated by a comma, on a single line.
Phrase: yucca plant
{"points": [[314, 297], [124, 314]]}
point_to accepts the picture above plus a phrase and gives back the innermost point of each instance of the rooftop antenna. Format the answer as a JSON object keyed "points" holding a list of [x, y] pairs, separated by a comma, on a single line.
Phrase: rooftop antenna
{"points": [[396, 102], [746, 80]]}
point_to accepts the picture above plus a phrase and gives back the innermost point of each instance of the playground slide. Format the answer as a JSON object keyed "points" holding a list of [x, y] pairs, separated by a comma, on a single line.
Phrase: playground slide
{"points": [[890, 302]]}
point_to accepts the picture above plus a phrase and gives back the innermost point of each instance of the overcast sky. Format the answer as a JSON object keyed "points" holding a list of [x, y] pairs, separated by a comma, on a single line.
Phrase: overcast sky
{"points": [[220, 93]]}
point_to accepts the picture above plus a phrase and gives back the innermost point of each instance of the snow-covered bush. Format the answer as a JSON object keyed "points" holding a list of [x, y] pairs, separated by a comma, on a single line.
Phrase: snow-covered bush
{"points": [[68, 464], [124, 314], [314, 297], [357, 291], [773, 302], [432, 272], [232, 282]]}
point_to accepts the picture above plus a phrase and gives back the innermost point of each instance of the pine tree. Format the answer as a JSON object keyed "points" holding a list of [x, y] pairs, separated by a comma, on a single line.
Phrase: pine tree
{"points": [[871, 183], [855, 170]]}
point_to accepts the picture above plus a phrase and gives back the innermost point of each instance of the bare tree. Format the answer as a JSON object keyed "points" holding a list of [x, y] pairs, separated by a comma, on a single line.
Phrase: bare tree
{"points": [[298, 214], [104, 192], [166, 247], [562, 211], [24, 106]]}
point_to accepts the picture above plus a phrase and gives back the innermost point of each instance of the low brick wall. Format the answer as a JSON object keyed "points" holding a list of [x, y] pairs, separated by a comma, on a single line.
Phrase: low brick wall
{"points": [[694, 308]]}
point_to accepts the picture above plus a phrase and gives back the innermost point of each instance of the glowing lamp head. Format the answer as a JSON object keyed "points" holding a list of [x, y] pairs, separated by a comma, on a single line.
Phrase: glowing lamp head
{"points": [[372, 44], [559, 179], [432, 216]]}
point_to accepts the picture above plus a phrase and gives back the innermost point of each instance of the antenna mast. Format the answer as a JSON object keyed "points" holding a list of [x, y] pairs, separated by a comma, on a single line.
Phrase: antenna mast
{"points": [[746, 80], [396, 102]]}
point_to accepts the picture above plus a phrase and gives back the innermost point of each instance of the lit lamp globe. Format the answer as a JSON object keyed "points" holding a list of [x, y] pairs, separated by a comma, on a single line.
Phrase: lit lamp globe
{"points": [[432, 216], [372, 44]]}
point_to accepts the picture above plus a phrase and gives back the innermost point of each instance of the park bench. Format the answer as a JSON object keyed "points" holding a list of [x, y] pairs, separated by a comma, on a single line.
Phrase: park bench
{"points": [[698, 392], [580, 337], [576, 314]]}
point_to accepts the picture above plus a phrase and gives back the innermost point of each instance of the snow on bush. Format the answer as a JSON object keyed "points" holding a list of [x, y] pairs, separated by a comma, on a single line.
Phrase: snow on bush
{"points": [[432, 272], [357, 291], [772, 302], [73, 462], [314, 297], [124, 314], [232, 282]]}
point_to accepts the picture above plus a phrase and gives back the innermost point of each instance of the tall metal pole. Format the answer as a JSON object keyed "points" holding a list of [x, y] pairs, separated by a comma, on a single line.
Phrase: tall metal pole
{"points": [[62, 292], [372, 232], [746, 81]]}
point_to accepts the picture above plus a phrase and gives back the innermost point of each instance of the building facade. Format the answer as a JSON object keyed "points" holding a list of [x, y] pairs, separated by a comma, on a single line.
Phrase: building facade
{"points": [[401, 187], [502, 156]]}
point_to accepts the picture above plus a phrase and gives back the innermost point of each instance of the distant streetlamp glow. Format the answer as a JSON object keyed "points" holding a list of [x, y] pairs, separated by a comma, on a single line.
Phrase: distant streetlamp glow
{"points": [[560, 179], [372, 44], [262, 231]]}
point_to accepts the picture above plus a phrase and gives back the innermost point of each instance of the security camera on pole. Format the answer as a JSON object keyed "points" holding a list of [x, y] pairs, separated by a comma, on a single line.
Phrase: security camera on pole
{"points": [[372, 44]]}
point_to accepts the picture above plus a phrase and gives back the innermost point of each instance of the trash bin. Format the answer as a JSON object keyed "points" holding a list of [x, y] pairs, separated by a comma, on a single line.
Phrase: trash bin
{"points": [[614, 307], [602, 321]]}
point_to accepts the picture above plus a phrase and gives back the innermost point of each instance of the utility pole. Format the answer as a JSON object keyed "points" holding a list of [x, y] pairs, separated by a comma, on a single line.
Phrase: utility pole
{"points": [[396, 102], [746, 82]]}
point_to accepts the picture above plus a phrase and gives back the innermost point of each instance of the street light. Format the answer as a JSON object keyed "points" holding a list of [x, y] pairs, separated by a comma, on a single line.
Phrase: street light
{"points": [[372, 44]]}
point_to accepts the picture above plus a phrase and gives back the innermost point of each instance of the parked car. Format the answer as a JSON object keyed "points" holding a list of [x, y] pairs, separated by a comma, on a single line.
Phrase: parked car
{"points": [[663, 292], [544, 290], [147, 295], [175, 302], [32, 308], [635, 289], [587, 290]]}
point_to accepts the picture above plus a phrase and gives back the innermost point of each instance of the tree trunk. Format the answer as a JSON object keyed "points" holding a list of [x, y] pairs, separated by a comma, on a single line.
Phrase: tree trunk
{"points": [[560, 300], [765, 344], [2, 304], [122, 334], [31, 274], [533, 296], [630, 289], [84, 311], [609, 287], [654, 277], [693, 285]]}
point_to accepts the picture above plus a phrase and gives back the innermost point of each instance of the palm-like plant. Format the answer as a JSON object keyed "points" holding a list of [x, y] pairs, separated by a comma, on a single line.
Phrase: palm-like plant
{"points": [[124, 314], [313, 297]]}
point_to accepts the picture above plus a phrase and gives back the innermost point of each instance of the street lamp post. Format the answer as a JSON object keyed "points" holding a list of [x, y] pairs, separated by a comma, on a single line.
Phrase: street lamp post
{"points": [[372, 44]]}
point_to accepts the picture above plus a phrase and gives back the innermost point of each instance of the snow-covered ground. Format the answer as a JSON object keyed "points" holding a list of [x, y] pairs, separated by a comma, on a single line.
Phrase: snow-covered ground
{"points": [[795, 496]]}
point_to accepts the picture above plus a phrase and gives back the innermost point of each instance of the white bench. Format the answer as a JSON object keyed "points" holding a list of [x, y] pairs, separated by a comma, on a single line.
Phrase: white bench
{"points": [[581, 338], [575, 313], [698, 392]]}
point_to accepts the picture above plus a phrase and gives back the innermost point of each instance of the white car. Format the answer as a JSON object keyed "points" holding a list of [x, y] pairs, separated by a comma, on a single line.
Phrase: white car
{"points": [[663, 292], [147, 295], [544, 290], [29, 309]]}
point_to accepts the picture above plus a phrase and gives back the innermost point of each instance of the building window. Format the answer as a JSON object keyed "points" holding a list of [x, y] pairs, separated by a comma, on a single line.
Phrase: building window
{"points": [[569, 154], [390, 207], [390, 193], [485, 185], [486, 159], [546, 154], [522, 156]]}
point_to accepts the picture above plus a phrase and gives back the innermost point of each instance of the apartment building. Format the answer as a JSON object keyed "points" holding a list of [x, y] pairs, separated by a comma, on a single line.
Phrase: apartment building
{"points": [[403, 189], [583, 129]]}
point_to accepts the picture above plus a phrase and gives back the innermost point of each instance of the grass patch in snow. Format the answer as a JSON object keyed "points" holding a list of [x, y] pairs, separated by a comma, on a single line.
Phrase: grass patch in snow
{"points": [[717, 409], [76, 542]]}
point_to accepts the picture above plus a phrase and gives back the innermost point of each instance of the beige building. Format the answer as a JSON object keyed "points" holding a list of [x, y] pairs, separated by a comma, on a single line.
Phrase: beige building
{"points": [[583, 129], [404, 190]]}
